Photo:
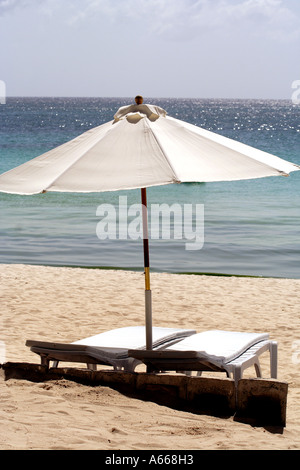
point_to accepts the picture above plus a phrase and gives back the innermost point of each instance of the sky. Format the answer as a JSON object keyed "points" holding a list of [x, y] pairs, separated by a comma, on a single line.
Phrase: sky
{"points": [[247, 49]]}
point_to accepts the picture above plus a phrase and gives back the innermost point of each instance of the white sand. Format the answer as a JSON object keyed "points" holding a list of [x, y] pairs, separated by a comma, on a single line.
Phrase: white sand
{"points": [[65, 304]]}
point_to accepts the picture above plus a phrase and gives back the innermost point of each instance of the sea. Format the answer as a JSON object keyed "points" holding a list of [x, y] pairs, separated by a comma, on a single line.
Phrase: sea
{"points": [[249, 228]]}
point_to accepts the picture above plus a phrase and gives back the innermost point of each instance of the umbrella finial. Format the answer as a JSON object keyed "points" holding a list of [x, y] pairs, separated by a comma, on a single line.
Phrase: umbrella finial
{"points": [[139, 99]]}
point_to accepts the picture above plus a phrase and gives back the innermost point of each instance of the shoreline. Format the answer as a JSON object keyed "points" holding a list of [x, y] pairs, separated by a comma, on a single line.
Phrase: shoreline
{"points": [[152, 270]]}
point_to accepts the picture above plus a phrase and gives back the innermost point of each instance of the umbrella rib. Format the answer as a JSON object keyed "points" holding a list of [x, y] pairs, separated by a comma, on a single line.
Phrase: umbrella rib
{"points": [[175, 179]]}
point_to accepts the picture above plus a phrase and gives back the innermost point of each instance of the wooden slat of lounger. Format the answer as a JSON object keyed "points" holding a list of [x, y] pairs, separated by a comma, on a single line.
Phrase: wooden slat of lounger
{"points": [[65, 356], [54, 346], [162, 354], [40, 346]]}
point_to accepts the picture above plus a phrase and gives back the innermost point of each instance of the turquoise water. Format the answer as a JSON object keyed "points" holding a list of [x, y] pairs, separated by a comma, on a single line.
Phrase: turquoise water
{"points": [[250, 227]]}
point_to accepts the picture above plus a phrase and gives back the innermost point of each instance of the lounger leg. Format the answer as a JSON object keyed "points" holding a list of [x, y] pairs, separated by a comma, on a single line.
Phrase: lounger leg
{"points": [[92, 366], [130, 365], [257, 368], [45, 361], [55, 364], [273, 359], [185, 372], [237, 374]]}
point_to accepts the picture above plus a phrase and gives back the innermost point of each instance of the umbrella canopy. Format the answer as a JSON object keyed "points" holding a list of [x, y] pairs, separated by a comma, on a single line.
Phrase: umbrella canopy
{"points": [[141, 147]]}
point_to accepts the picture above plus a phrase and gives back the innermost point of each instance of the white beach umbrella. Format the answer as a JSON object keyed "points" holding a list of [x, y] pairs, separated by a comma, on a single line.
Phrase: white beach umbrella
{"points": [[141, 147]]}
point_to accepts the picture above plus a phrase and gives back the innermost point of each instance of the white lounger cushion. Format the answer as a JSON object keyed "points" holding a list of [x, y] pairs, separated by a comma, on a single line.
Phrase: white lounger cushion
{"points": [[222, 346], [133, 337]]}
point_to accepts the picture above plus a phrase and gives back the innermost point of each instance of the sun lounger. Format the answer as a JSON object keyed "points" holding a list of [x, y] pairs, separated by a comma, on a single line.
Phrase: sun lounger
{"points": [[108, 348], [220, 351]]}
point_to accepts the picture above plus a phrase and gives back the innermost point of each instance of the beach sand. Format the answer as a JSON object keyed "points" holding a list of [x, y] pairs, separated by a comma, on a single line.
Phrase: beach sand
{"points": [[66, 304]]}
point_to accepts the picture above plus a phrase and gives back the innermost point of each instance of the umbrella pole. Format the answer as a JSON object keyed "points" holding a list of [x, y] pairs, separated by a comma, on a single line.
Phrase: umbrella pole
{"points": [[148, 297]]}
